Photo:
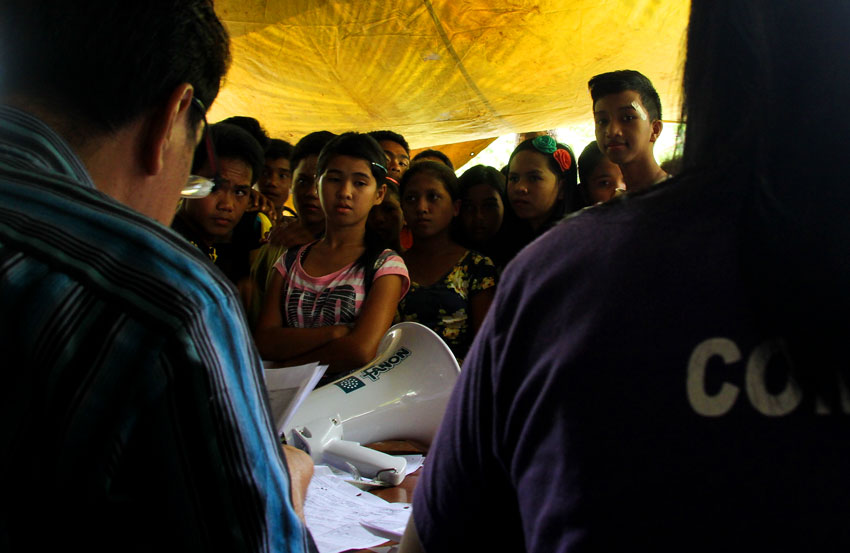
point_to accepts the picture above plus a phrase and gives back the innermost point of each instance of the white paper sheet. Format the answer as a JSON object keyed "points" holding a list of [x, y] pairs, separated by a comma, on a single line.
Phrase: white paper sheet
{"points": [[335, 508], [288, 387]]}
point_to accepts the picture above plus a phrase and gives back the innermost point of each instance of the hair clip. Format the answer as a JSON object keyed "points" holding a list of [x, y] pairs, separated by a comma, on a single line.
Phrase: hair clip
{"points": [[545, 144], [381, 167], [563, 158]]}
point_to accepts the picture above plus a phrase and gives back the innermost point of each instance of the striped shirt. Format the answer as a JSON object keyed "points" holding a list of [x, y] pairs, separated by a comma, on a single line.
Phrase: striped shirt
{"points": [[134, 415], [308, 301]]}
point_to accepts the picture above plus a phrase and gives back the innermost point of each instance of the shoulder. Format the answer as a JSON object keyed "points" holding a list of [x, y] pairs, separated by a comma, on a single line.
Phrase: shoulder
{"points": [[480, 269], [476, 258], [289, 260], [116, 251], [391, 263]]}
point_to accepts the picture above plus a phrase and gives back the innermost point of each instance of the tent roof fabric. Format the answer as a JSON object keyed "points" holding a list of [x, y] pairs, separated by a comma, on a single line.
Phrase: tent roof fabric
{"points": [[440, 71]]}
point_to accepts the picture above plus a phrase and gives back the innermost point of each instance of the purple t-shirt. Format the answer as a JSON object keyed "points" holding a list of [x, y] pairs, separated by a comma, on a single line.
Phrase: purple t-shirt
{"points": [[620, 396]]}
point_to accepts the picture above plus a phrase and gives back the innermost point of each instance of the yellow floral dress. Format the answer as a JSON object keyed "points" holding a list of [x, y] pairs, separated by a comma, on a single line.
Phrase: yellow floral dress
{"points": [[444, 306]]}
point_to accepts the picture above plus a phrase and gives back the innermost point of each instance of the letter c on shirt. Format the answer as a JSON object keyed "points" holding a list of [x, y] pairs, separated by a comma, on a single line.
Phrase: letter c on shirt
{"points": [[719, 403]]}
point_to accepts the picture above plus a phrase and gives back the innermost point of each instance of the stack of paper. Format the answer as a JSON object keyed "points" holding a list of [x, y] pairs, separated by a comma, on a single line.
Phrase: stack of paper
{"points": [[335, 509]]}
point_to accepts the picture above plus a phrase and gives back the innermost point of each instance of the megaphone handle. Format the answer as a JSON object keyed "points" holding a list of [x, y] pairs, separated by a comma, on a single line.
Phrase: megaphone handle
{"points": [[369, 462]]}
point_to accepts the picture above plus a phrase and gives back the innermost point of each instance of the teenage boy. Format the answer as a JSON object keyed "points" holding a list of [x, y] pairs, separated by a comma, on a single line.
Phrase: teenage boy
{"points": [[397, 150], [276, 179], [627, 113], [209, 222]]}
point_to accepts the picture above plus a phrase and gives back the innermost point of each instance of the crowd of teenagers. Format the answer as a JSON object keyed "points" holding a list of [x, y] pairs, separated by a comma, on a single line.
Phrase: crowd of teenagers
{"points": [[308, 232], [662, 369]]}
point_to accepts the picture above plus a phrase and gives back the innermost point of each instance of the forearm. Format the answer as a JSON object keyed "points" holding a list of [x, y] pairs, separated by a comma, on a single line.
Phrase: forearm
{"points": [[341, 355], [291, 344]]}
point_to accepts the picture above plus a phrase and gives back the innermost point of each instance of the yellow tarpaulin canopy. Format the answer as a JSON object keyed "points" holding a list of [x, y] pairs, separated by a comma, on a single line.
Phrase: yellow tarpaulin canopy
{"points": [[440, 71]]}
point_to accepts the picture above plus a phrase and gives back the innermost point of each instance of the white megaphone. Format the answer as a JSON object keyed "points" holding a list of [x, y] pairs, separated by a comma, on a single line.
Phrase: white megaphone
{"points": [[401, 394]]}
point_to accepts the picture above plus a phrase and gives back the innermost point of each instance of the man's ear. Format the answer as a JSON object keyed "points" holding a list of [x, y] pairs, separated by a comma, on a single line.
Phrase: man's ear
{"points": [[657, 125], [456, 207], [163, 131]]}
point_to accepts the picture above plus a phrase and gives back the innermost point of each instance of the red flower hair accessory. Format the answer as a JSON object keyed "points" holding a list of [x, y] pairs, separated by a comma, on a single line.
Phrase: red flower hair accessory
{"points": [[563, 158]]}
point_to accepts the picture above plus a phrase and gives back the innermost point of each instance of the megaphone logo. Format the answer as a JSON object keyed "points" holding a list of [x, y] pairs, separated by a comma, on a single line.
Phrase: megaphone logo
{"points": [[350, 384], [374, 372]]}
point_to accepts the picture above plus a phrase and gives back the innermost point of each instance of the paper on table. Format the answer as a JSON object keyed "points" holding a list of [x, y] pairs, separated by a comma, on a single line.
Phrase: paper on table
{"points": [[391, 526], [413, 463], [334, 509], [288, 387]]}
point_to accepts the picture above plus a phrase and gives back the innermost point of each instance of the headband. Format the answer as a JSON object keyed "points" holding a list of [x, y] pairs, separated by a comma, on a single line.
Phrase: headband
{"points": [[546, 144], [381, 167]]}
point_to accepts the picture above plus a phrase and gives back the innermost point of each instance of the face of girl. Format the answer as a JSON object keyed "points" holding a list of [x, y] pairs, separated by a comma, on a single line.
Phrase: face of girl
{"points": [[348, 191], [481, 212], [604, 181], [427, 205], [533, 188]]}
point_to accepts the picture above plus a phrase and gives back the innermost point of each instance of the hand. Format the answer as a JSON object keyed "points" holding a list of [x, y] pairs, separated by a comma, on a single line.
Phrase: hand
{"points": [[300, 472], [290, 233], [258, 202]]}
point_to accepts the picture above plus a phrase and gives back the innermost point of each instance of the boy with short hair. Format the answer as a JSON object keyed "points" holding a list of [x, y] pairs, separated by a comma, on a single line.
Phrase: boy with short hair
{"points": [[397, 150], [627, 113], [276, 180], [209, 222]]}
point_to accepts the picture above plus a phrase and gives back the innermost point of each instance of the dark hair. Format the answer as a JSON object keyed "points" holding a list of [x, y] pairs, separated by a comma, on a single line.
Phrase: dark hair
{"points": [[567, 179], [434, 169], [615, 82], [278, 148], [253, 127], [437, 154], [310, 145], [101, 63], [392, 136], [392, 187], [746, 63], [482, 174], [357, 145], [231, 142], [589, 159]]}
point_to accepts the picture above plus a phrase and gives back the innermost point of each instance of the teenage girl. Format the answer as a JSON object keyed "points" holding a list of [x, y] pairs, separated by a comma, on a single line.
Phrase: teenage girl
{"points": [[482, 209], [452, 287], [600, 179], [332, 300], [541, 189]]}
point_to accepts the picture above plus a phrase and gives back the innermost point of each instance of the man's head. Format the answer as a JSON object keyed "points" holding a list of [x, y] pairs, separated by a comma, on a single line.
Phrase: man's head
{"points": [[239, 159], [627, 112], [276, 179], [102, 64], [397, 151], [102, 73]]}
